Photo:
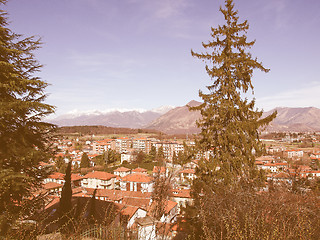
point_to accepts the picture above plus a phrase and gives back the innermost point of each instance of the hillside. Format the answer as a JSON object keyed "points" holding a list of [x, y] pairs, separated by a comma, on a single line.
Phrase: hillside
{"points": [[295, 119], [181, 120], [178, 120]]}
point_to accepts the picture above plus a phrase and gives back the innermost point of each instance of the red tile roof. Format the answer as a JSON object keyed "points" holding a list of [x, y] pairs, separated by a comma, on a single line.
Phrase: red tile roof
{"points": [[56, 175], [282, 175], [129, 211], [188, 171], [170, 205], [118, 193], [137, 177], [182, 193], [139, 170], [76, 176], [122, 169], [51, 185], [100, 175], [136, 202]]}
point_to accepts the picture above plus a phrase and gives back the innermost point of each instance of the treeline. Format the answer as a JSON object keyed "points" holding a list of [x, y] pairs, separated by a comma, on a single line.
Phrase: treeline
{"points": [[103, 130], [96, 130]]}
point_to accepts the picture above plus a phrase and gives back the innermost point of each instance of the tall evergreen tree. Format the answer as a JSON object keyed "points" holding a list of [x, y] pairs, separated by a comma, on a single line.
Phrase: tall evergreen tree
{"points": [[230, 123], [65, 204], [153, 153], [85, 162], [66, 194], [23, 136]]}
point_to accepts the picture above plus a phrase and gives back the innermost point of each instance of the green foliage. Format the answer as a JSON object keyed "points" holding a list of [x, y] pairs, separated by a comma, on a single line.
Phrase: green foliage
{"points": [[187, 155], [60, 164], [85, 161], [242, 214], [108, 157], [153, 153], [160, 194], [141, 156], [23, 136], [230, 124], [160, 156], [160, 153]]}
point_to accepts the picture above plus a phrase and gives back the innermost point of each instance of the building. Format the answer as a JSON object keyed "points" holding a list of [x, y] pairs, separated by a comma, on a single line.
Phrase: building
{"points": [[137, 182], [100, 180]]}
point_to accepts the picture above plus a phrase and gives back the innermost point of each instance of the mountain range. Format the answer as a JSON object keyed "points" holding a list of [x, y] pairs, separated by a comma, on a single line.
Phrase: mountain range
{"points": [[181, 120], [114, 118]]}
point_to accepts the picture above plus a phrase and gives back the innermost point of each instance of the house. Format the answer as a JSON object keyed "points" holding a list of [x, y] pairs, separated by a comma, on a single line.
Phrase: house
{"points": [[99, 147], [171, 211], [55, 177], [272, 167], [53, 188], [265, 159], [187, 174], [122, 171], [181, 196], [313, 174], [98, 179], [141, 145], [145, 228], [132, 213], [137, 182], [128, 156], [76, 179], [294, 153], [127, 198], [123, 144], [140, 170], [281, 177]]}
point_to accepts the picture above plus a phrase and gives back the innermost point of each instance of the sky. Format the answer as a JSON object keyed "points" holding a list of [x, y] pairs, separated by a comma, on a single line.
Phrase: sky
{"points": [[136, 54]]}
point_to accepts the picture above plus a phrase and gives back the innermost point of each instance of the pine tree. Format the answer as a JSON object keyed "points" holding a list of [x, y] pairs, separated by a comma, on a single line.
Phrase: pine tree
{"points": [[153, 153], [24, 137], [85, 162], [160, 156], [230, 123], [92, 208]]}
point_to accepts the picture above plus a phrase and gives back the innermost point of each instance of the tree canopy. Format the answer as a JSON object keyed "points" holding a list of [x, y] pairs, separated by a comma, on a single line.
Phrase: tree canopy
{"points": [[230, 123], [24, 137], [85, 161]]}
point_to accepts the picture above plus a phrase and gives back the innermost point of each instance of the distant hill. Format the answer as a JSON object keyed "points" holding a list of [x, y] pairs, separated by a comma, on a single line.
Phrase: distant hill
{"points": [[295, 119], [117, 119], [178, 120], [181, 120]]}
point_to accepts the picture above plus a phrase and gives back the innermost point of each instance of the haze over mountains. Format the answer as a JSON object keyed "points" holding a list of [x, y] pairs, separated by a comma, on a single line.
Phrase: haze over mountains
{"points": [[180, 120], [114, 118]]}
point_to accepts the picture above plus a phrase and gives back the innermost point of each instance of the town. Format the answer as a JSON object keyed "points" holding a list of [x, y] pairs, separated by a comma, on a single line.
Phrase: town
{"points": [[123, 170], [96, 144]]}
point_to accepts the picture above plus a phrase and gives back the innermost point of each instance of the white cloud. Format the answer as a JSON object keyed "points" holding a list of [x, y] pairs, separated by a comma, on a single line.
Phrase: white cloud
{"points": [[307, 96]]}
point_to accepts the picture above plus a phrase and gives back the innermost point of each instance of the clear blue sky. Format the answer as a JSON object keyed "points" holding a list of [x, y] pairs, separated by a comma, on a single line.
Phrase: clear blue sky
{"points": [[103, 54]]}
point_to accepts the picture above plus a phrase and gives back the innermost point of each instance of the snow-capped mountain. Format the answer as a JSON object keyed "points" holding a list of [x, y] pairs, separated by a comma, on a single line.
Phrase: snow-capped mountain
{"points": [[127, 118]]}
